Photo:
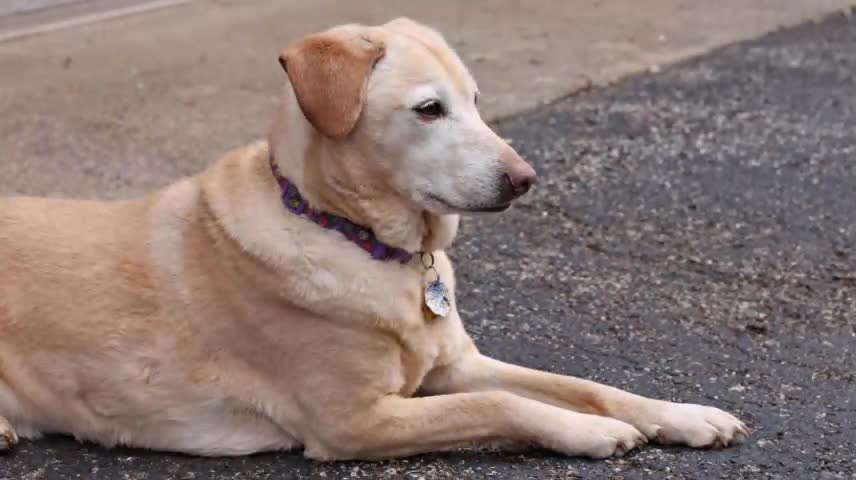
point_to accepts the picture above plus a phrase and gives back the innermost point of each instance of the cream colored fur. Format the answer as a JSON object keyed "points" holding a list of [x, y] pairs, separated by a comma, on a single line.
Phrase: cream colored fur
{"points": [[205, 318]]}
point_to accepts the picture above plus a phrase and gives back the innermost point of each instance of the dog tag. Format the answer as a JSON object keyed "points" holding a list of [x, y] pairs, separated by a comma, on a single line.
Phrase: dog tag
{"points": [[435, 298]]}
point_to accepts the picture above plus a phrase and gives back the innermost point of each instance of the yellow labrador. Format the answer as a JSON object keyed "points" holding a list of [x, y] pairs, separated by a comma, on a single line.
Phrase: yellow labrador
{"points": [[293, 293]]}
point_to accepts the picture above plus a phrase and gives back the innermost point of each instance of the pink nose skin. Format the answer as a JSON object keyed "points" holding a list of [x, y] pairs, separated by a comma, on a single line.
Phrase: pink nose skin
{"points": [[521, 176]]}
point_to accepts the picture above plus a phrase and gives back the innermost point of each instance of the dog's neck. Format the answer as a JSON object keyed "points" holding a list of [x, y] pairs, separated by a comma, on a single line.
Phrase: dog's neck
{"points": [[318, 166]]}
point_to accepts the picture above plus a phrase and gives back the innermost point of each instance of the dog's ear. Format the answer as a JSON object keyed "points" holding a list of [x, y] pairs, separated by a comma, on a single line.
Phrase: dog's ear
{"points": [[329, 73]]}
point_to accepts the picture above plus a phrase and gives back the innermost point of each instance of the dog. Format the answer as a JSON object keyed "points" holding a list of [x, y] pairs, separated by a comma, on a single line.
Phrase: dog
{"points": [[295, 293]]}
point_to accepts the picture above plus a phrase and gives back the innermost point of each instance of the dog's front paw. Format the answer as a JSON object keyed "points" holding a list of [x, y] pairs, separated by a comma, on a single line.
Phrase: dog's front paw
{"points": [[8, 437], [595, 437], [694, 425]]}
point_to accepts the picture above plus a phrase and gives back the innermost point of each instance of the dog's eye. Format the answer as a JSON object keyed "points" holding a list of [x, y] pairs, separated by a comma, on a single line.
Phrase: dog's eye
{"points": [[476, 98], [430, 109]]}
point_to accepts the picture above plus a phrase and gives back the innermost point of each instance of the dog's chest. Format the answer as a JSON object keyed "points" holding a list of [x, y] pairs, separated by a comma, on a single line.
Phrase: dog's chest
{"points": [[418, 356], [432, 344], [431, 339]]}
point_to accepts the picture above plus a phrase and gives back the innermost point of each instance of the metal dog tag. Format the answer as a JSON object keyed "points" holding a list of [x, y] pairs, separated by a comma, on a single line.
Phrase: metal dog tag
{"points": [[435, 298]]}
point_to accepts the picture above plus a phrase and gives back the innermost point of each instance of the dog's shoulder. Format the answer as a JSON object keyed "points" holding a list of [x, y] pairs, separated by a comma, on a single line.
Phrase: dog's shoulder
{"points": [[317, 270]]}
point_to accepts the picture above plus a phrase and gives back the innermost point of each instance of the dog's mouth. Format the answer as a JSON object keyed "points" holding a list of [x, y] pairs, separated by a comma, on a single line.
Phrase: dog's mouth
{"points": [[494, 209], [500, 207]]}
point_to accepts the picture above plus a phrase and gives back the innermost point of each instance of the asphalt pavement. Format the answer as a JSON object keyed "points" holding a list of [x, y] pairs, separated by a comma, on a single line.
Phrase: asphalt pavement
{"points": [[692, 237]]}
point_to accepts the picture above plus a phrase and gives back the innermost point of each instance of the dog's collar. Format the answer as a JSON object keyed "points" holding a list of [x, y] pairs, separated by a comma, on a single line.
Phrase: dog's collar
{"points": [[362, 236]]}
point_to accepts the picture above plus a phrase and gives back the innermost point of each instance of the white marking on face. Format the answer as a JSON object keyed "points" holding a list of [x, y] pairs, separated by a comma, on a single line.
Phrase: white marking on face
{"points": [[421, 94], [444, 162]]}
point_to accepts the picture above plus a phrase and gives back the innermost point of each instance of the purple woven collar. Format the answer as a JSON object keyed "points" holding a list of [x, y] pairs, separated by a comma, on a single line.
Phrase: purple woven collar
{"points": [[362, 236]]}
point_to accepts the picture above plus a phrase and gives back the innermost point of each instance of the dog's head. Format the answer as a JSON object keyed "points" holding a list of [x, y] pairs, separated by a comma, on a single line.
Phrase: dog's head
{"points": [[401, 96]]}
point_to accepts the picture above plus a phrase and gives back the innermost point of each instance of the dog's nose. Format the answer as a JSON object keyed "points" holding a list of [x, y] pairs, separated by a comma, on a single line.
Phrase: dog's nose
{"points": [[520, 177]]}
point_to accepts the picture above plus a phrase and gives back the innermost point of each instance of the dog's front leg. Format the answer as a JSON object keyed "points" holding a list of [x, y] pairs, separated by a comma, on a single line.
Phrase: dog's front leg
{"points": [[661, 421], [394, 427]]}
